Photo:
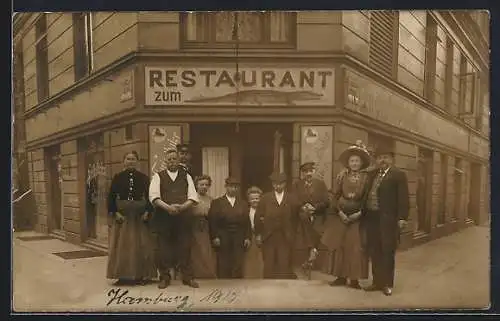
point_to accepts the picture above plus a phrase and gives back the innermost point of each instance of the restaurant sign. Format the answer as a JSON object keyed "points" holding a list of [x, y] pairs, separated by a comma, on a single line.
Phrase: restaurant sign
{"points": [[247, 86]]}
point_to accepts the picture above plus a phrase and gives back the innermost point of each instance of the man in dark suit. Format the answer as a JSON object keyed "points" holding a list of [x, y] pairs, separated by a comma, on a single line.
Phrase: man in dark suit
{"points": [[312, 195], [230, 230], [387, 210], [274, 229]]}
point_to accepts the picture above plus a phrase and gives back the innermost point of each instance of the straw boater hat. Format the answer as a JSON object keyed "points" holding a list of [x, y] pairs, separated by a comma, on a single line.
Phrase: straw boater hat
{"points": [[357, 149]]}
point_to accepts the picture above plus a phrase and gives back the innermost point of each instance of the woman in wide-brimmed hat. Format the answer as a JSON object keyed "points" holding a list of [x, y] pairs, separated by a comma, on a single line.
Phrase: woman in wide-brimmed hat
{"points": [[346, 234]]}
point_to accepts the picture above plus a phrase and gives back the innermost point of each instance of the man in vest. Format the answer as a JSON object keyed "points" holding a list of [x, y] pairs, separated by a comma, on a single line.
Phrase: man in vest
{"points": [[387, 207], [172, 193]]}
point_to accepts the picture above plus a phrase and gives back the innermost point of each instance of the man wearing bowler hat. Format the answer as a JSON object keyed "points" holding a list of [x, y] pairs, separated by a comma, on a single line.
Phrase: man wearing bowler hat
{"points": [[312, 195], [274, 228], [184, 157], [230, 230], [386, 210]]}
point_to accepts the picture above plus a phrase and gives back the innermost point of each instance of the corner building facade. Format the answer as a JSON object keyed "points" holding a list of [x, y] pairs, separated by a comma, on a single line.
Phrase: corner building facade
{"points": [[280, 89]]}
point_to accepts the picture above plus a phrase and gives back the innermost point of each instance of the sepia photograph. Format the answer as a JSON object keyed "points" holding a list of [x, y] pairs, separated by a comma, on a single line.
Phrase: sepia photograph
{"points": [[237, 161]]}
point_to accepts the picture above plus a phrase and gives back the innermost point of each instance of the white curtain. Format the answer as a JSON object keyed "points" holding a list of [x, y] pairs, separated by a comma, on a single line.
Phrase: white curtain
{"points": [[216, 165]]}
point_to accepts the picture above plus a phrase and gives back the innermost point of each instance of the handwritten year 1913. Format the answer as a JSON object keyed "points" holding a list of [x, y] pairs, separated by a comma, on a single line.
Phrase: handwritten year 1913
{"points": [[227, 296]]}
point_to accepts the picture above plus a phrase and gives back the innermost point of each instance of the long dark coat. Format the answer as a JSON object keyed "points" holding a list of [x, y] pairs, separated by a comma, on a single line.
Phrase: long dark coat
{"points": [[274, 223], [308, 232], [232, 226], [393, 198]]}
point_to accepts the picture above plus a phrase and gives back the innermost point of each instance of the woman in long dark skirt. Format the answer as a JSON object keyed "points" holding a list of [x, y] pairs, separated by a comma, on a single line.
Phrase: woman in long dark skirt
{"points": [[345, 236], [130, 258]]}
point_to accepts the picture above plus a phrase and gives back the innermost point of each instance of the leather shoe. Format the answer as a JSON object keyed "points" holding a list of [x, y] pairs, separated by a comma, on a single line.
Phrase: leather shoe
{"points": [[338, 282], [372, 288], [355, 285], [164, 283], [387, 291], [191, 283]]}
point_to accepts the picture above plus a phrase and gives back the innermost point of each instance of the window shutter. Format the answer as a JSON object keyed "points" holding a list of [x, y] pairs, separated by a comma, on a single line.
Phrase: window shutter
{"points": [[382, 41]]}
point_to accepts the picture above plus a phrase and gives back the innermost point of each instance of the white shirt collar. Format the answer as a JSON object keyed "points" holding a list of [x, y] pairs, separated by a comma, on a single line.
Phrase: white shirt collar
{"points": [[231, 199], [279, 196], [252, 217], [173, 175]]}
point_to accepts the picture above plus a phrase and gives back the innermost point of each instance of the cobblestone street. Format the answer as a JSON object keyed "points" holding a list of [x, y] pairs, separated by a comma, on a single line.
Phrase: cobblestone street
{"points": [[452, 272]]}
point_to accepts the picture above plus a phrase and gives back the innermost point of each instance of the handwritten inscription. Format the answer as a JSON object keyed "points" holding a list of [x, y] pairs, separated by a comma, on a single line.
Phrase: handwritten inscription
{"points": [[222, 296], [121, 297]]}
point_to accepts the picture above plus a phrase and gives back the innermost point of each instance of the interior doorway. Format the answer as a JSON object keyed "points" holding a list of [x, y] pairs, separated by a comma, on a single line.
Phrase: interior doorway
{"points": [[54, 183], [249, 152], [266, 147]]}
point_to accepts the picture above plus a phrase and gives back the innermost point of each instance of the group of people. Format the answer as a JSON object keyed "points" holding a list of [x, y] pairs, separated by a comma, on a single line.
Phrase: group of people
{"points": [[263, 235]]}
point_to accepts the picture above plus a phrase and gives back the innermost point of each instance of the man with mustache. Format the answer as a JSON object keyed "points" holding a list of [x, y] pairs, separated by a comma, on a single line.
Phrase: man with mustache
{"points": [[386, 211]]}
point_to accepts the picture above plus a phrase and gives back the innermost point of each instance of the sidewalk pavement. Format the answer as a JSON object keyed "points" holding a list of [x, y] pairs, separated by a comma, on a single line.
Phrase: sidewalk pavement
{"points": [[451, 272]]}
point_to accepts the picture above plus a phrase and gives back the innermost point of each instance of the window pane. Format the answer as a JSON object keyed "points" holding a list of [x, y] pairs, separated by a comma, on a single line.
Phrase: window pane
{"points": [[195, 26], [224, 22], [249, 26], [279, 25]]}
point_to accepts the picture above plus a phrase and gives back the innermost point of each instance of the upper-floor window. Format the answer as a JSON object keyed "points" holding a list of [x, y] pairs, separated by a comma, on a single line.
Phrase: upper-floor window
{"points": [[246, 29], [384, 41], [82, 44], [42, 59]]}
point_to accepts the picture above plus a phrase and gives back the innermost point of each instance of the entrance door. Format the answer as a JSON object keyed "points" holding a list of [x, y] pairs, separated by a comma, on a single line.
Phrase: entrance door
{"points": [[55, 188], [96, 190], [259, 150], [424, 190], [247, 152], [474, 193], [457, 189]]}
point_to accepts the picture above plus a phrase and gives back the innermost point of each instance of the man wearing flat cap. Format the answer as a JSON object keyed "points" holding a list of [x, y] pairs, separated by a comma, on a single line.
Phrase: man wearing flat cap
{"points": [[184, 157], [230, 230], [274, 228], [312, 195], [387, 207]]}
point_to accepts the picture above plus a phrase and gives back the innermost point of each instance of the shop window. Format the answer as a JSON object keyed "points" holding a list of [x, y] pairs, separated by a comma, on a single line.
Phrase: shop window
{"points": [[424, 189], [82, 44], [42, 60], [384, 41], [247, 29]]}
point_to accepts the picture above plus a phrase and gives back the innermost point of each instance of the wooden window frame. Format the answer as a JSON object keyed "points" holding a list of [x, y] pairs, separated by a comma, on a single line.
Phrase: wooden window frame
{"points": [[204, 18], [463, 110], [448, 83], [430, 58], [82, 44], [42, 58]]}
